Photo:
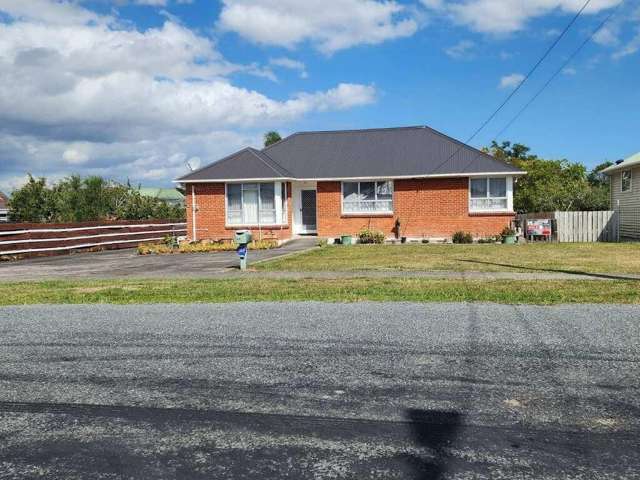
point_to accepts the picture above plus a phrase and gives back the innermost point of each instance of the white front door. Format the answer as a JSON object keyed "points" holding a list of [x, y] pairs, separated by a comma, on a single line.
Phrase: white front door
{"points": [[304, 208]]}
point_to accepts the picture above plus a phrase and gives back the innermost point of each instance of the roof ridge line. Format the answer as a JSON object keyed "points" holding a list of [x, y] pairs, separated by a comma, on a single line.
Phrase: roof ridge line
{"points": [[464, 145], [284, 172], [352, 130], [223, 159]]}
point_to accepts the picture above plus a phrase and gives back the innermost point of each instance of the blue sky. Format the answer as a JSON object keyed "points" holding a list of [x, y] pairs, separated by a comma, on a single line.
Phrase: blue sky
{"points": [[137, 88]]}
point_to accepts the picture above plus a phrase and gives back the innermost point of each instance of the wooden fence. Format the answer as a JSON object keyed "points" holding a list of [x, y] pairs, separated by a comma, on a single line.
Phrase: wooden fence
{"points": [[33, 239], [600, 226]]}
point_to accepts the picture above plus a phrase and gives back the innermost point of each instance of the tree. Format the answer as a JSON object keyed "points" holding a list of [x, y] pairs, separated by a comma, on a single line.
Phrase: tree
{"points": [[553, 184], [74, 199], [596, 177], [600, 187], [31, 203], [271, 137]]}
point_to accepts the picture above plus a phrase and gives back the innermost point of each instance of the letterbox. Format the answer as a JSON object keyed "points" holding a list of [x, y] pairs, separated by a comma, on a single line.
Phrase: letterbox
{"points": [[242, 237]]}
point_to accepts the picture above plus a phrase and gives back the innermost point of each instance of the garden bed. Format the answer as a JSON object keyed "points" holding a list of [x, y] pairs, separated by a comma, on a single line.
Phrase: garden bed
{"points": [[201, 247]]}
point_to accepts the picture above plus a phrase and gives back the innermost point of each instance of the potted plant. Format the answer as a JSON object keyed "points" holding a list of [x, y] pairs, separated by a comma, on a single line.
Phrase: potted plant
{"points": [[508, 236], [345, 239]]}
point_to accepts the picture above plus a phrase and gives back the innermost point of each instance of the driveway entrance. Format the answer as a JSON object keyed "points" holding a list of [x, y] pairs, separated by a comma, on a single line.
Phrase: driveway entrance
{"points": [[128, 264]]}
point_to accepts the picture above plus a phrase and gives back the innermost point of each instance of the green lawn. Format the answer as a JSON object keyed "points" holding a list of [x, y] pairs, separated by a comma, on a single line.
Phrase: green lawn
{"points": [[572, 257], [335, 290]]}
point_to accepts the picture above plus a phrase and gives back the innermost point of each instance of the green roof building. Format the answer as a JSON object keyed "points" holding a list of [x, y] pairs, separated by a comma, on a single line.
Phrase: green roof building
{"points": [[169, 195]]}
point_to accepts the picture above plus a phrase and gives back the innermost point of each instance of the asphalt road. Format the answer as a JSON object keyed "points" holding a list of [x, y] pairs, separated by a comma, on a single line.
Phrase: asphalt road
{"points": [[315, 391]]}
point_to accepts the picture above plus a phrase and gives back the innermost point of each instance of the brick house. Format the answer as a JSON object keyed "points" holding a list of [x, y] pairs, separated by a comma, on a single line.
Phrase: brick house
{"points": [[412, 182]]}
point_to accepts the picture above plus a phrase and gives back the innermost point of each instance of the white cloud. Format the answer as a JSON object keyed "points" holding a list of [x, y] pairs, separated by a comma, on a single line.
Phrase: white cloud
{"points": [[344, 96], [57, 13], [152, 3], [76, 154], [330, 25], [630, 48], [286, 62], [507, 16], [157, 160], [608, 35], [569, 71], [511, 81], [505, 55], [90, 95], [462, 49]]}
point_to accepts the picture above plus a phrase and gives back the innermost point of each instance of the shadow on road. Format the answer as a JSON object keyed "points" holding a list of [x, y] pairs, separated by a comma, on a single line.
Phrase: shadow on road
{"points": [[553, 270], [435, 430]]}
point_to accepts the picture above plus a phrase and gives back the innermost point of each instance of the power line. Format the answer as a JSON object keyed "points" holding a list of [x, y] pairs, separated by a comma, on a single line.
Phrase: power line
{"points": [[515, 90], [535, 67], [557, 72]]}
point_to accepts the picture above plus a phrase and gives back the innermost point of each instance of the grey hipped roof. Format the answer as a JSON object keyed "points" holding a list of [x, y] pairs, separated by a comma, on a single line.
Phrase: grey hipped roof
{"points": [[376, 153]]}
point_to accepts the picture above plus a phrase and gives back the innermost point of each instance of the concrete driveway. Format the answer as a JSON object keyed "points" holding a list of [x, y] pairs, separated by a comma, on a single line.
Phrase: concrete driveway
{"points": [[315, 390], [128, 264]]}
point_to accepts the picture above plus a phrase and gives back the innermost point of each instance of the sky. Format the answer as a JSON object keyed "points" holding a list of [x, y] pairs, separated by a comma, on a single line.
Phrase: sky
{"points": [[142, 90]]}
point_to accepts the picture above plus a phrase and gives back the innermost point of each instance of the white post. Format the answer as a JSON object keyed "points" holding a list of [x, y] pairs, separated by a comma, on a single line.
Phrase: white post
{"points": [[193, 213], [510, 194]]}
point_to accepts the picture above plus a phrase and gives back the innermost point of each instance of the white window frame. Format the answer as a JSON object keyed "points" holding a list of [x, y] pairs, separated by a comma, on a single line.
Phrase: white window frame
{"points": [[280, 205], [622, 189], [508, 197], [371, 213]]}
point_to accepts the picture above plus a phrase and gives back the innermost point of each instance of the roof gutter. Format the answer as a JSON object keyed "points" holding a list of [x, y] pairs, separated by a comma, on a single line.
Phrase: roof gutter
{"points": [[617, 168], [334, 179]]}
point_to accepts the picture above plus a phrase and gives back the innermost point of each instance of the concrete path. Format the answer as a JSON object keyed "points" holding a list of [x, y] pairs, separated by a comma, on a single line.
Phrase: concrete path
{"points": [[314, 390], [128, 264]]}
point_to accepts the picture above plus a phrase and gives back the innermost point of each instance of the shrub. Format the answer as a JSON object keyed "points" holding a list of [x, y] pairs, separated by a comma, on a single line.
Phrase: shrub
{"points": [[462, 237], [170, 241], [153, 248], [371, 236], [487, 240], [76, 199], [507, 231]]}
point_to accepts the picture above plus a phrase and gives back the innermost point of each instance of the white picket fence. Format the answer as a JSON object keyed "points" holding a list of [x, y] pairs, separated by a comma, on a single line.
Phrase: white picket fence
{"points": [[599, 226]]}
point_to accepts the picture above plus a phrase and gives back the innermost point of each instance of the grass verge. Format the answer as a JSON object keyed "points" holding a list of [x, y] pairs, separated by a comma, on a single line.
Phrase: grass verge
{"points": [[336, 290]]}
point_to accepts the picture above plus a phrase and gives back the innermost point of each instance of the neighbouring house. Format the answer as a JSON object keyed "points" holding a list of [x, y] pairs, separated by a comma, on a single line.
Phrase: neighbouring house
{"points": [[168, 195], [624, 179], [4, 210], [339, 182]]}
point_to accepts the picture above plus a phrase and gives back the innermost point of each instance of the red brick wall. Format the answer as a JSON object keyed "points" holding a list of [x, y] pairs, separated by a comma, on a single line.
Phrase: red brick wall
{"points": [[425, 207], [210, 215]]}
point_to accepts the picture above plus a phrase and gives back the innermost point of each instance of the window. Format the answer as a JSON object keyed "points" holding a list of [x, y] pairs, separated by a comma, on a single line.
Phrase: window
{"points": [[367, 197], [256, 203], [626, 181], [487, 194]]}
